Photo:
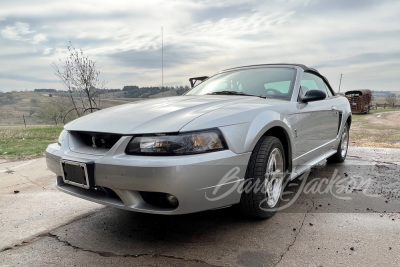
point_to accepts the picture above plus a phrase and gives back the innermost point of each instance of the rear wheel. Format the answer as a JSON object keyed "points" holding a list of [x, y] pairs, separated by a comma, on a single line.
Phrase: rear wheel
{"points": [[264, 179], [341, 152]]}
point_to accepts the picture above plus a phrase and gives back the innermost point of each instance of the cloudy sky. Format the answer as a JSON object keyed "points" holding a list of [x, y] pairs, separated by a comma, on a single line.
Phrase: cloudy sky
{"points": [[359, 38]]}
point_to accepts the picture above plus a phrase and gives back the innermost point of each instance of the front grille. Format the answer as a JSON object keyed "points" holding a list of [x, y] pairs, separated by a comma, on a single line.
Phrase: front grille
{"points": [[96, 140]]}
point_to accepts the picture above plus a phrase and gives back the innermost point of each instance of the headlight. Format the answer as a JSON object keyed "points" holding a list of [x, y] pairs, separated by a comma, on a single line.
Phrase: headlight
{"points": [[178, 144], [62, 137]]}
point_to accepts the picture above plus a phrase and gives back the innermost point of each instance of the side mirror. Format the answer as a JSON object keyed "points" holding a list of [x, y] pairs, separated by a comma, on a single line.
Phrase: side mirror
{"points": [[313, 95]]}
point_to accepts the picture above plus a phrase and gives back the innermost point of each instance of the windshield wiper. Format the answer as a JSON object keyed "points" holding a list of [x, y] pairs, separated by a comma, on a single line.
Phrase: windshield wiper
{"points": [[233, 93]]}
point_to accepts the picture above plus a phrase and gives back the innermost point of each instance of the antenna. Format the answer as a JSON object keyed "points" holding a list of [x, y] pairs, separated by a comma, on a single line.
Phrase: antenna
{"points": [[162, 61], [340, 83]]}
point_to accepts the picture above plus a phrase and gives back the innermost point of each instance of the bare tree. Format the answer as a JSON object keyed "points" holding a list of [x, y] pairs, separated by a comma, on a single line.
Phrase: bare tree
{"points": [[391, 99], [58, 110], [81, 78], [31, 112]]}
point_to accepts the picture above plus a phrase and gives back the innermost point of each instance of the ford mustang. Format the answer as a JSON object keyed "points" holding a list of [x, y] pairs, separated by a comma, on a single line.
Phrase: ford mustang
{"points": [[235, 138]]}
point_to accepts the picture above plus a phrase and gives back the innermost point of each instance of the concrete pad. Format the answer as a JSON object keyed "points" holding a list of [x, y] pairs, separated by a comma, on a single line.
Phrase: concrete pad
{"points": [[352, 219], [220, 237], [346, 240], [51, 252], [30, 203]]}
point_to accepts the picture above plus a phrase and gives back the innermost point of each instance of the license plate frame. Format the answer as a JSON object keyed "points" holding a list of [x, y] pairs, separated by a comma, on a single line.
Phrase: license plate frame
{"points": [[83, 171]]}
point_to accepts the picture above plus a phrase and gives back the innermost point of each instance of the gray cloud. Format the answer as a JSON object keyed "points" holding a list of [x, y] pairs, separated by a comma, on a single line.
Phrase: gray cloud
{"points": [[26, 78], [340, 6], [200, 37], [360, 59], [220, 12], [21, 31], [174, 55]]}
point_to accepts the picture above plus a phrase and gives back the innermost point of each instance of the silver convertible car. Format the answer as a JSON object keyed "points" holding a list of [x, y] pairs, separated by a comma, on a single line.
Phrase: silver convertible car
{"points": [[234, 139]]}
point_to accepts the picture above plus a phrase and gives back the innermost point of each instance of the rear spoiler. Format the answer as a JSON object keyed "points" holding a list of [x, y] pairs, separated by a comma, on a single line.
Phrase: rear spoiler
{"points": [[194, 80]]}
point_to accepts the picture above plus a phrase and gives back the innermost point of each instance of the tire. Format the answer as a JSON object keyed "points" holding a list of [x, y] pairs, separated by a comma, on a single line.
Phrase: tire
{"points": [[341, 152], [264, 179]]}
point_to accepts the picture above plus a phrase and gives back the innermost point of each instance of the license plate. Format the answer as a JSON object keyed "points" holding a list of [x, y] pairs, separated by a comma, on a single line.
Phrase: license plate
{"points": [[75, 173]]}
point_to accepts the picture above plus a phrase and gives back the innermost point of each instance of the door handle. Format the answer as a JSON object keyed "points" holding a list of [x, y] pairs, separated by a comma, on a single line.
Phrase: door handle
{"points": [[334, 108]]}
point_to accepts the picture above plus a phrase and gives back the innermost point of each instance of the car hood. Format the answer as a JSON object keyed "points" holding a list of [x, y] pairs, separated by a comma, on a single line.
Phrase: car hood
{"points": [[162, 115]]}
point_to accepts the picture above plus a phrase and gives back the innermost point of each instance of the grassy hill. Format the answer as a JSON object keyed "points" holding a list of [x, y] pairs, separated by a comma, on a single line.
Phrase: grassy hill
{"points": [[31, 106], [171, 92], [15, 106]]}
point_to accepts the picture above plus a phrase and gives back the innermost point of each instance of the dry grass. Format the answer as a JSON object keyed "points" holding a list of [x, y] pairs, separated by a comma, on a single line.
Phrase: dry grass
{"points": [[29, 105], [23, 103], [372, 131]]}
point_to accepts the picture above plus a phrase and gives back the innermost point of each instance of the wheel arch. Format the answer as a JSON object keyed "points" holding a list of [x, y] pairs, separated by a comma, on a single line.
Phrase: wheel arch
{"points": [[283, 136], [349, 120]]}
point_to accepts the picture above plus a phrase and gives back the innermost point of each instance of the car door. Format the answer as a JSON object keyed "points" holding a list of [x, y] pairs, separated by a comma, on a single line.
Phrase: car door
{"points": [[318, 121]]}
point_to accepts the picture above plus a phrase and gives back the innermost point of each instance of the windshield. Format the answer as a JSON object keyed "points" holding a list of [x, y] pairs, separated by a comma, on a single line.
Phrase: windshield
{"points": [[265, 82]]}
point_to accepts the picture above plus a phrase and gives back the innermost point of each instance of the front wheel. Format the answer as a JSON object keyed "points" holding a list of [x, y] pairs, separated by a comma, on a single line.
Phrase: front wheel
{"points": [[341, 152], [264, 179]]}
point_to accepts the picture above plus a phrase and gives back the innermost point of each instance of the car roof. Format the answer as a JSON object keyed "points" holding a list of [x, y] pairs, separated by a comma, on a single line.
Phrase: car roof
{"points": [[362, 91], [304, 67]]}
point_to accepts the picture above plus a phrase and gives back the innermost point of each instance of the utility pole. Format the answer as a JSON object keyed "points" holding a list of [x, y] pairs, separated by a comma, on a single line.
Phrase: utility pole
{"points": [[340, 83], [162, 57]]}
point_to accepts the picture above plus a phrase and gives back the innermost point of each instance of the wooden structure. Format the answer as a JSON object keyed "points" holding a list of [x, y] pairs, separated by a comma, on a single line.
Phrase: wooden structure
{"points": [[360, 100]]}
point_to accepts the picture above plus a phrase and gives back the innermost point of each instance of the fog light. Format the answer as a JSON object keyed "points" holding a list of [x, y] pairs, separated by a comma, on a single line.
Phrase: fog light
{"points": [[172, 200]]}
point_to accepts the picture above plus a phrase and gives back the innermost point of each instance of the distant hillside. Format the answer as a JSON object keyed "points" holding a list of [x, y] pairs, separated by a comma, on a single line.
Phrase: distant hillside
{"points": [[42, 105], [171, 92], [45, 90], [385, 93], [153, 92]]}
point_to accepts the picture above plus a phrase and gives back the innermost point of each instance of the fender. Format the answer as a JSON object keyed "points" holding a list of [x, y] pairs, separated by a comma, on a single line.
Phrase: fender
{"points": [[243, 137]]}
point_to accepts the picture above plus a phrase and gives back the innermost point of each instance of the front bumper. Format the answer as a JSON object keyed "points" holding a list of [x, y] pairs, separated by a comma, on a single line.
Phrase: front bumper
{"points": [[200, 182]]}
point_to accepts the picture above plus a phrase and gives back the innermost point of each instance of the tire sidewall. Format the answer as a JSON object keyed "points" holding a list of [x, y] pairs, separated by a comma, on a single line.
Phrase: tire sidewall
{"points": [[342, 158], [259, 196]]}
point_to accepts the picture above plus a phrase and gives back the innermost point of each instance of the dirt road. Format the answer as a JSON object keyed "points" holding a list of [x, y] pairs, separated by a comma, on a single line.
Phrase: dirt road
{"points": [[376, 130], [387, 119]]}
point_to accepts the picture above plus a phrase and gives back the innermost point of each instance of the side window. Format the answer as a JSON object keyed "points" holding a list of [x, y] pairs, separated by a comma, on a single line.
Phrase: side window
{"points": [[312, 82], [329, 91]]}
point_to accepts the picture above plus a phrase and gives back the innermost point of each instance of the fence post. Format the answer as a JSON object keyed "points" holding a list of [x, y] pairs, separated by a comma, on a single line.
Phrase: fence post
{"points": [[23, 117], [384, 106], [55, 119]]}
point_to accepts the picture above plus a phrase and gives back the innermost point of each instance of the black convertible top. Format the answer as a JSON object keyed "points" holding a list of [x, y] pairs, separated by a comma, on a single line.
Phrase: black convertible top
{"points": [[304, 67]]}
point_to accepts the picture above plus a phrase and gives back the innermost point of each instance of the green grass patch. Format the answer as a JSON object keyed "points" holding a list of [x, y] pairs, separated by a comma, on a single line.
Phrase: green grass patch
{"points": [[383, 127], [26, 143], [380, 110], [358, 118]]}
